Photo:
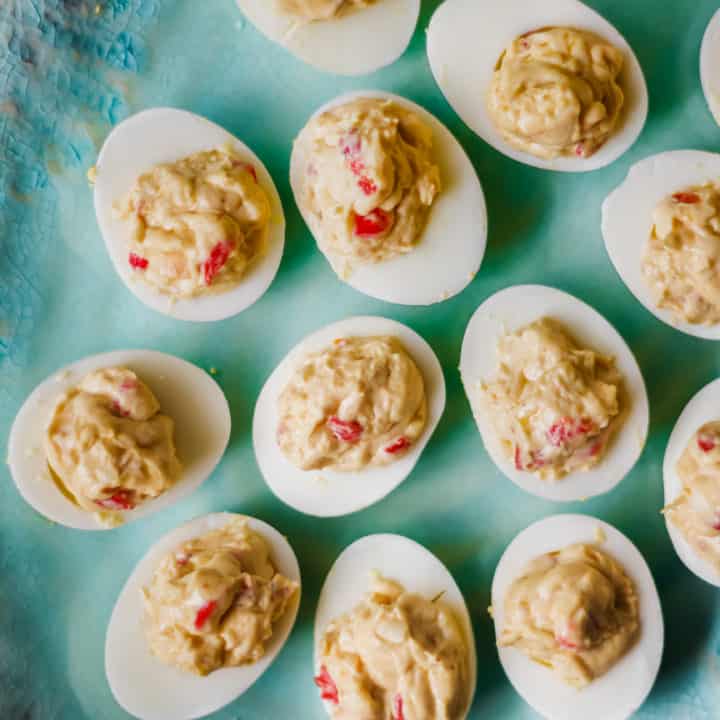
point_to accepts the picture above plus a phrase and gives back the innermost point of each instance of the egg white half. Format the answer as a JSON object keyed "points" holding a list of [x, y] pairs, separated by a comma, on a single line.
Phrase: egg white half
{"points": [[356, 43], [328, 493], [396, 558], [704, 407], [185, 392], [466, 39], [162, 135], [451, 248], [151, 690], [627, 220], [623, 689], [511, 309], [709, 64]]}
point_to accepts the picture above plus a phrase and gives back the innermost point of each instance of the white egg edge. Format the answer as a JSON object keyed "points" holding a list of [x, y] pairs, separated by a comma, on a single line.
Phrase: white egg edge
{"points": [[631, 205], [634, 673], [179, 695], [340, 46], [525, 16], [26, 456], [703, 407], [709, 55], [448, 235], [327, 493], [478, 362], [398, 558], [167, 135]]}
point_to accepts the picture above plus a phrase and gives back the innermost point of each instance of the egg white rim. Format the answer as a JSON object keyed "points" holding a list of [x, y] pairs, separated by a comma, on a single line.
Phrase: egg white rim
{"points": [[516, 306], [178, 695], [703, 407], [448, 235], [628, 683], [709, 58], [462, 72], [328, 493], [202, 431], [168, 135], [339, 46], [348, 582], [627, 213]]}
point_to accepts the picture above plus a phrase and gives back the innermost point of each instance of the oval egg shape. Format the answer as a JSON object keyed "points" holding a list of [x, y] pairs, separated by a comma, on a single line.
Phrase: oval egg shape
{"points": [[515, 307], [327, 493], [356, 43], [709, 62], [623, 689], [702, 408], [397, 558], [150, 690], [186, 393], [451, 248], [466, 39], [162, 135], [627, 219]]}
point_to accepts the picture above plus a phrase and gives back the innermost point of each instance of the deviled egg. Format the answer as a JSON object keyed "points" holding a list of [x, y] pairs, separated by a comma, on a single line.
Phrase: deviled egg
{"points": [[190, 216], [201, 617], [661, 228], [391, 198], [691, 475], [115, 437], [578, 619], [346, 414], [550, 84], [709, 59], [343, 37], [556, 393], [389, 604]]}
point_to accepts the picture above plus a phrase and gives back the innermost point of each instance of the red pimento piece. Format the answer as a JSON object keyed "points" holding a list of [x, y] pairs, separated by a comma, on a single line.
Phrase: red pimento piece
{"points": [[716, 524], [128, 385], [138, 262], [121, 500], [596, 448], [566, 428], [686, 198], [351, 145], [705, 443], [518, 459], [118, 409], [214, 264], [373, 224], [345, 430], [328, 689], [367, 185], [565, 643], [398, 708], [402, 443], [182, 559], [204, 613], [580, 150]]}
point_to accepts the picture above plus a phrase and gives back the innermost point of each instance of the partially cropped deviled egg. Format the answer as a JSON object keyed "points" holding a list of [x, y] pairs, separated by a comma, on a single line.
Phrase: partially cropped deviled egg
{"points": [[190, 216], [662, 232], [709, 60], [578, 620], [556, 393], [202, 617], [691, 472], [393, 637], [551, 84], [391, 198], [345, 416], [115, 437], [343, 37]]}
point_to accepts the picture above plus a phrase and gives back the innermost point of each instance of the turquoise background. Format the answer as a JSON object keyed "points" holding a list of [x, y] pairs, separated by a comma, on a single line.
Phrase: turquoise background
{"points": [[66, 75]]}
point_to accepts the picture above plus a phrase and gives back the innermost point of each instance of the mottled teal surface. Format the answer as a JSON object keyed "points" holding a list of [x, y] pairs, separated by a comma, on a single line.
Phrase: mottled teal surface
{"points": [[67, 74]]}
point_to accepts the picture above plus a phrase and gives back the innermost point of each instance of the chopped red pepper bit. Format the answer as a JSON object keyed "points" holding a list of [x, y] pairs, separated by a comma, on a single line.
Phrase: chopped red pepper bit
{"points": [[345, 430], [518, 459], [580, 150], [128, 385], [138, 262], [351, 144], [596, 448], [566, 428], [118, 409], [716, 524], [402, 443], [204, 613], [686, 198], [328, 689], [705, 443], [398, 708], [374, 223], [218, 257], [565, 643], [367, 185], [121, 500]]}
